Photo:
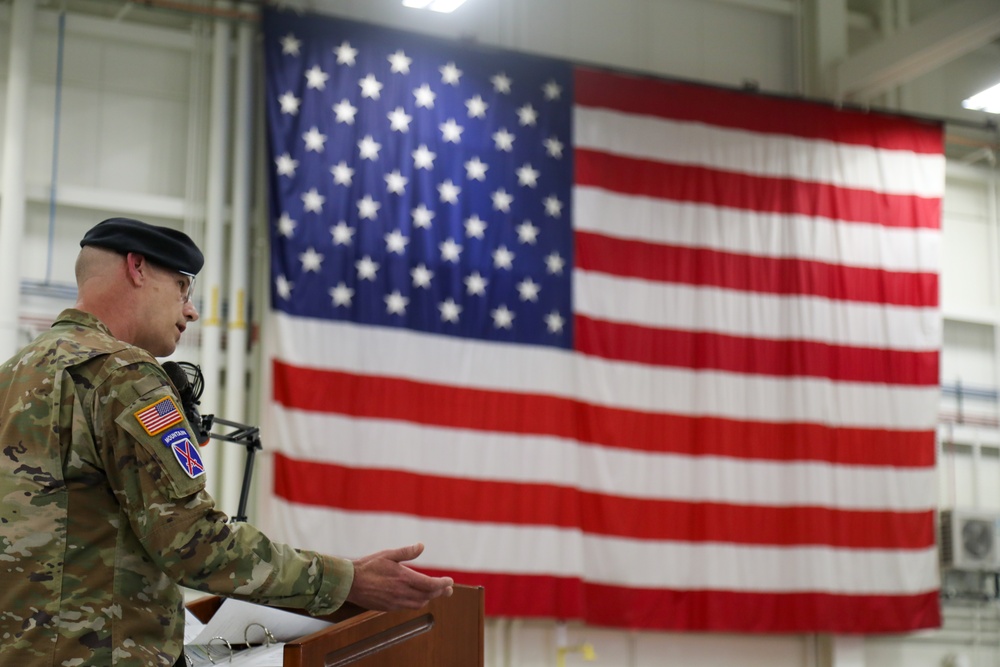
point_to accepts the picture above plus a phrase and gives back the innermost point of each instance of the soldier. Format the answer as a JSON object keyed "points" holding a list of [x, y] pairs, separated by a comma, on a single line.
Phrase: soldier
{"points": [[103, 508]]}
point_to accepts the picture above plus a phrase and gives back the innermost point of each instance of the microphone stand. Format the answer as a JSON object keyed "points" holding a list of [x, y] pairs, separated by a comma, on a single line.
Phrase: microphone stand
{"points": [[249, 437]]}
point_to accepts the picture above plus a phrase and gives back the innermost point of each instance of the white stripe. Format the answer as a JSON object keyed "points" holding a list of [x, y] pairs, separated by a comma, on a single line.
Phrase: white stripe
{"points": [[383, 351], [771, 155], [457, 546], [753, 233], [485, 456], [754, 314]]}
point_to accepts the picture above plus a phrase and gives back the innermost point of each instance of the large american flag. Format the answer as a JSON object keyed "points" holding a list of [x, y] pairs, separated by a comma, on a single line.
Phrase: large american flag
{"points": [[637, 352]]}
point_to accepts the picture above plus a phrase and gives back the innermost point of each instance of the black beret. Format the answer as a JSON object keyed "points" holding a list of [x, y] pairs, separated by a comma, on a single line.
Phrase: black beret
{"points": [[160, 245]]}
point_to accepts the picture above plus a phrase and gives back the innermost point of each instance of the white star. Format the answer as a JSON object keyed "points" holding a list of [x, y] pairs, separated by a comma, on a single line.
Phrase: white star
{"points": [[399, 120], [553, 207], [284, 287], [424, 96], [395, 242], [341, 294], [370, 87], [450, 74], [368, 208], [290, 45], [399, 63], [474, 227], [501, 83], [422, 217], [342, 174], [395, 303], [423, 158], [552, 90], [345, 111], [316, 78], [503, 140], [421, 276], [311, 260], [342, 233], [366, 268], [503, 258], [528, 290], [450, 250], [553, 147], [313, 201], [503, 318], [475, 169], [477, 107], [527, 116], [528, 176], [554, 264], [395, 182], [286, 165], [451, 132], [449, 310], [475, 284], [554, 322], [345, 54], [527, 232], [286, 226], [502, 200], [449, 192], [368, 148], [314, 139], [289, 103]]}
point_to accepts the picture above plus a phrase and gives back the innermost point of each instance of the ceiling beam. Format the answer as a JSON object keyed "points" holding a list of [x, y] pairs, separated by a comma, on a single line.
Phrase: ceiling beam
{"points": [[957, 29]]}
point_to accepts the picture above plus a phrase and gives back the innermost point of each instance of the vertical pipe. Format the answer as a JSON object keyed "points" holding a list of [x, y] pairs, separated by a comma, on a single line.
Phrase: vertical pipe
{"points": [[12, 203], [260, 297], [57, 116], [195, 169], [239, 258], [211, 277], [993, 230]]}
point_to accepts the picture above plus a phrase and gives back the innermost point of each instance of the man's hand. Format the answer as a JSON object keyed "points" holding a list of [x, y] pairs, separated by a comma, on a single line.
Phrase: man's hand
{"points": [[383, 583]]}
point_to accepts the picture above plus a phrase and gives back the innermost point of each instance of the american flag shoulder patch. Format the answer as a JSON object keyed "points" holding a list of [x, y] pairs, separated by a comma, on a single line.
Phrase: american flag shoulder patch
{"points": [[159, 416]]}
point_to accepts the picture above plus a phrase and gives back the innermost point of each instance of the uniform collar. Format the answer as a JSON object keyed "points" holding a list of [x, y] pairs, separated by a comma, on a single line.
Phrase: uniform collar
{"points": [[82, 318]]}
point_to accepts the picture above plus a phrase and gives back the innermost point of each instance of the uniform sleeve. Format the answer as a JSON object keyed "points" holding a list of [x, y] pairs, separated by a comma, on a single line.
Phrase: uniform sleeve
{"points": [[156, 470]]}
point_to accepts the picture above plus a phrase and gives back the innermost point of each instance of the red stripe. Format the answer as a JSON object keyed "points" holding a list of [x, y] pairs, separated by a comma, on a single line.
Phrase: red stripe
{"points": [[699, 610], [784, 276], [756, 113], [783, 358], [454, 407], [360, 489], [689, 183]]}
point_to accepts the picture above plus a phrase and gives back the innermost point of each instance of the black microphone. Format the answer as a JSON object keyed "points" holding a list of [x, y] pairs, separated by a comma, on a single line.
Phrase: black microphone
{"points": [[190, 383]]}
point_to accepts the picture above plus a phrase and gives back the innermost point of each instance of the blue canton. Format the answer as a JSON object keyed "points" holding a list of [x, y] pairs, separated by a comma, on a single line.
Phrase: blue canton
{"points": [[419, 183]]}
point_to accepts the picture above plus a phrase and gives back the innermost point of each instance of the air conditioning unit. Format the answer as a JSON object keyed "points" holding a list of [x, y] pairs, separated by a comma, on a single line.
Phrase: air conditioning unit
{"points": [[970, 540]]}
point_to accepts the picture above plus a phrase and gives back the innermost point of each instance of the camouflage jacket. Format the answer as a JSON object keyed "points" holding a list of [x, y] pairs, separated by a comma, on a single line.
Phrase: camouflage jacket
{"points": [[103, 512]]}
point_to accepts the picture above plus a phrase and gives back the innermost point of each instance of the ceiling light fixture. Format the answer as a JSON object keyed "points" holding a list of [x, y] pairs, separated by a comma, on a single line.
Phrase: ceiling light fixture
{"points": [[988, 100], [443, 6]]}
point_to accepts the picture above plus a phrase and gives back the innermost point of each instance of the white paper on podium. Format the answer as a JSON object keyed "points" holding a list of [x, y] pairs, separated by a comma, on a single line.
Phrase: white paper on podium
{"points": [[192, 626], [240, 622]]}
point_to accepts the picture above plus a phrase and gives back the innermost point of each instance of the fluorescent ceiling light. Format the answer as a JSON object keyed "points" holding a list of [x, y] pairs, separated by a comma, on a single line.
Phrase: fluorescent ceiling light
{"points": [[444, 6], [988, 100]]}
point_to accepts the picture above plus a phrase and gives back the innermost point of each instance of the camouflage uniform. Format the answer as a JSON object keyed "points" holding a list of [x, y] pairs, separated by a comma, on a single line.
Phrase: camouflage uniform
{"points": [[101, 516]]}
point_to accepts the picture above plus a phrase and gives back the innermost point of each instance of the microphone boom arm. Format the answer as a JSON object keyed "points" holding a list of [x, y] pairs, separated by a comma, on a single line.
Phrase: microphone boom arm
{"points": [[249, 437]]}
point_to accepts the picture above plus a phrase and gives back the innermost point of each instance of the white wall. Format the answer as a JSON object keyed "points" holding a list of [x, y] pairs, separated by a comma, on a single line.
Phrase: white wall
{"points": [[133, 129]]}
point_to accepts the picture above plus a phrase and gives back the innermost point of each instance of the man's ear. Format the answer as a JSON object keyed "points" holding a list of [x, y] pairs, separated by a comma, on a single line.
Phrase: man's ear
{"points": [[136, 268]]}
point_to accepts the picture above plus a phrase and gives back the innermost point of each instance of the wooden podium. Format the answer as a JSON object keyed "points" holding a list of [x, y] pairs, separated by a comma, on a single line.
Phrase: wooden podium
{"points": [[448, 632]]}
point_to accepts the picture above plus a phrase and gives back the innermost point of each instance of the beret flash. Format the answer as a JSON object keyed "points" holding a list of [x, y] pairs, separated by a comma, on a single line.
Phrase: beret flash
{"points": [[161, 245]]}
